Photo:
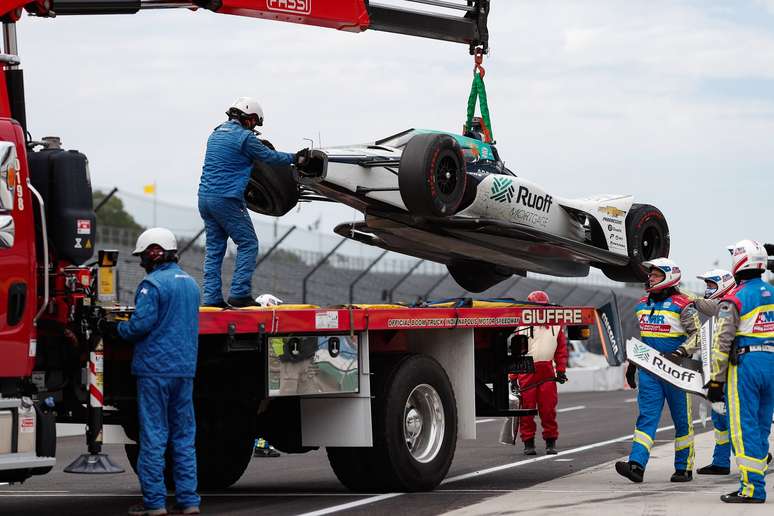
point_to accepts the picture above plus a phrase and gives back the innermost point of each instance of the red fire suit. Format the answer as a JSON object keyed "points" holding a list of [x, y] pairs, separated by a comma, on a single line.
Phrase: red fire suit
{"points": [[547, 346]]}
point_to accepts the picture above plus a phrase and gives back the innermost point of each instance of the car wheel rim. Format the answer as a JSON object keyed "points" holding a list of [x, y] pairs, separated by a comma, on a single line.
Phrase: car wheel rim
{"points": [[651, 243], [446, 176], [423, 423]]}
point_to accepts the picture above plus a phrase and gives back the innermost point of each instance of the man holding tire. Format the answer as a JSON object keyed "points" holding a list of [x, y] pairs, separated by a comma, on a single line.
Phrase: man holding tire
{"points": [[231, 150]]}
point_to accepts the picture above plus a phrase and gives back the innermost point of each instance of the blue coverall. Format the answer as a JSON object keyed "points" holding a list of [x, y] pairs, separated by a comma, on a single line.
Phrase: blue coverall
{"points": [[750, 387], [661, 328], [164, 329], [721, 456], [228, 162]]}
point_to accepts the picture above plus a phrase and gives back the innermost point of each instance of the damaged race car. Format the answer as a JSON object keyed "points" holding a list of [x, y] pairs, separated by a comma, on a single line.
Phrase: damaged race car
{"points": [[451, 199]]}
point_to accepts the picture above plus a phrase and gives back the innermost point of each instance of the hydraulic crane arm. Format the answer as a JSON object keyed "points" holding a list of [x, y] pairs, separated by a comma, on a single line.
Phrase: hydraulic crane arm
{"points": [[349, 15]]}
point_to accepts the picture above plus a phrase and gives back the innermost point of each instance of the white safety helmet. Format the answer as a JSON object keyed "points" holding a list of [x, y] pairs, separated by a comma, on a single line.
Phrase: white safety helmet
{"points": [[723, 280], [671, 272], [748, 255], [161, 237], [247, 106]]}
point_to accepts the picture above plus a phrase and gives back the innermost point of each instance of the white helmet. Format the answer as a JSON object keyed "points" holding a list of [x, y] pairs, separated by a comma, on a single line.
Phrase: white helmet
{"points": [[162, 237], [723, 280], [248, 106], [748, 255], [671, 272]]}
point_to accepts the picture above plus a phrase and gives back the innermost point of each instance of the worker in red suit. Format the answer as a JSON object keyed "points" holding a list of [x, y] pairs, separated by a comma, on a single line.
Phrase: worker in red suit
{"points": [[547, 346]]}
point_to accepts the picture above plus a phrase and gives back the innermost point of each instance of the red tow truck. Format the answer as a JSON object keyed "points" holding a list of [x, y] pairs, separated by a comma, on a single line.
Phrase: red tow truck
{"points": [[387, 390]]}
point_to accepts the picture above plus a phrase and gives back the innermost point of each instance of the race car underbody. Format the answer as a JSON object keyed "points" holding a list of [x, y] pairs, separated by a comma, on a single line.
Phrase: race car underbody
{"points": [[450, 199]]}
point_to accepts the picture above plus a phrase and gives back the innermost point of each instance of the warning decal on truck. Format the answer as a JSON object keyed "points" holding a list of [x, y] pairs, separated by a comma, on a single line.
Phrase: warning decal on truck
{"points": [[83, 227], [326, 320]]}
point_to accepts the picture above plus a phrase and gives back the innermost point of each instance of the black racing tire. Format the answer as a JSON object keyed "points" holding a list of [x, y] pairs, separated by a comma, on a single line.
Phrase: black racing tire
{"points": [[271, 190], [476, 276], [390, 465], [647, 237], [432, 176]]}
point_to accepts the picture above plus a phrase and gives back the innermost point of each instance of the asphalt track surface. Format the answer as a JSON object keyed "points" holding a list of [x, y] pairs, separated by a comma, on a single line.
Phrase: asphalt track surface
{"points": [[594, 427]]}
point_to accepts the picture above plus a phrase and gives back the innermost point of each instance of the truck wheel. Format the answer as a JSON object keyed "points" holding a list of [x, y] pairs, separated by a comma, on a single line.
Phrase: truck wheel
{"points": [[476, 276], [432, 175], [224, 447], [647, 238], [415, 431]]}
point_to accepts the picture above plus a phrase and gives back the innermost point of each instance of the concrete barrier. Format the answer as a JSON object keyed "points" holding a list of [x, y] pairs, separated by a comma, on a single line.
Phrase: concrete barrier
{"points": [[588, 379]]}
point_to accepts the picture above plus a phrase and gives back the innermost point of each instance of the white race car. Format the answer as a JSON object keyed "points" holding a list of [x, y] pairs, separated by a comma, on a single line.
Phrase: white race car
{"points": [[450, 199]]}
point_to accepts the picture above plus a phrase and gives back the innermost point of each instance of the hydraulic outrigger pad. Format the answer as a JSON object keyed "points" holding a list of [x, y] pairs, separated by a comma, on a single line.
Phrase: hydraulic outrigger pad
{"points": [[93, 464]]}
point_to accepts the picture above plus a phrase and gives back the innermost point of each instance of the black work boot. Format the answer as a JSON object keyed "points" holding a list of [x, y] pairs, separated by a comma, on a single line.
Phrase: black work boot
{"points": [[529, 447], [551, 447], [735, 497], [713, 470], [220, 304], [242, 302], [630, 470], [681, 475]]}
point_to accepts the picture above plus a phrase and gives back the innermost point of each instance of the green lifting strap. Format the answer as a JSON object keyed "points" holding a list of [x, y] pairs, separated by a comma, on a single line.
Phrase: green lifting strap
{"points": [[478, 92]]}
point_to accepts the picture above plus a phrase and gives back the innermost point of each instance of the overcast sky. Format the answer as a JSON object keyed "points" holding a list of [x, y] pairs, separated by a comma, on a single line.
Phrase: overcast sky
{"points": [[671, 101]]}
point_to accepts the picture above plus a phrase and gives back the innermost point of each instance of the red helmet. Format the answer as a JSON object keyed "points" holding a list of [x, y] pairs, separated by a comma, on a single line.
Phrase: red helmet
{"points": [[538, 296]]}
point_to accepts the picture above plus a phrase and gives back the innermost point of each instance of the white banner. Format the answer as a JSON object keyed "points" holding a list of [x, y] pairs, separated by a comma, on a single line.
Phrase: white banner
{"points": [[647, 358]]}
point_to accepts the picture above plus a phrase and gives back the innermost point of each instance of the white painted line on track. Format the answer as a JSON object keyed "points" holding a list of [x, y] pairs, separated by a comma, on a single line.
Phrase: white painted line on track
{"points": [[564, 460], [485, 420], [570, 409], [352, 505], [631, 400], [487, 471]]}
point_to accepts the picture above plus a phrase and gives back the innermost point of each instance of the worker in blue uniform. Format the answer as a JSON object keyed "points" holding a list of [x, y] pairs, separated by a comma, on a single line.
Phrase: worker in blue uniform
{"points": [[164, 329], [718, 284], [231, 150], [743, 368], [666, 317]]}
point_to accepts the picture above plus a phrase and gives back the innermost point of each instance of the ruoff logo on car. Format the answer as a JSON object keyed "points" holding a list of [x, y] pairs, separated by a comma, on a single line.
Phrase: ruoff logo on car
{"points": [[533, 200], [502, 189], [290, 6]]}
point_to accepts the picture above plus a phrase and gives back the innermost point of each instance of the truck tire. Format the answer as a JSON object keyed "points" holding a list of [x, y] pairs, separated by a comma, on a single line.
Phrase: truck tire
{"points": [[476, 276], [414, 415], [224, 447], [271, 190], [432, 175], [647, 238]]}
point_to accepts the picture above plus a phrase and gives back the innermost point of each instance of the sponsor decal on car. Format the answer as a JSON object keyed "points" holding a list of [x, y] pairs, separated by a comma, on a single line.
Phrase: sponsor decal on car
{"points": [[612, 221], [533, 200], [528, 218], [502, 189], [290, 6], [612, 211]]}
